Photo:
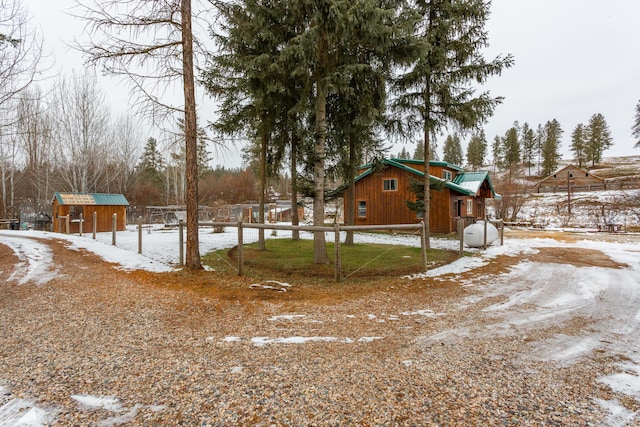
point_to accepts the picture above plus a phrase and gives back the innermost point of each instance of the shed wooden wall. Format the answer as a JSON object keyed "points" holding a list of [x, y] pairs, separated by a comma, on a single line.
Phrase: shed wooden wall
{"points": [[104, 218]]}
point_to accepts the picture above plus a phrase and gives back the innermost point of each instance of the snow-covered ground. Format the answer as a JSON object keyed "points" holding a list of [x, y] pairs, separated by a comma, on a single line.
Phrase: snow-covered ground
{"points": [[538, 295]]}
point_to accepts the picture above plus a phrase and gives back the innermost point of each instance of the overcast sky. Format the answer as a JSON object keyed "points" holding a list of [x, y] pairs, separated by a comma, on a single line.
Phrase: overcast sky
{"points": [[573, 59]]}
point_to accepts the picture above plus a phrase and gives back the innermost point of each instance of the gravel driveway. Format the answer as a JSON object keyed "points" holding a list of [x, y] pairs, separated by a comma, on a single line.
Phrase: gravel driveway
{"points": [[99, 346]]}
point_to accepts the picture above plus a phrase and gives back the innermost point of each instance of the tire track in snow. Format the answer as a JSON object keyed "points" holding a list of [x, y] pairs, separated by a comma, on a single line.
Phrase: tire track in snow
{"points": [[35, 259]]}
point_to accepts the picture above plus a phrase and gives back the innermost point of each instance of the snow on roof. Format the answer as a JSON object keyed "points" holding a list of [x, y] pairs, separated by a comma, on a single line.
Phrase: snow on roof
{"points": [[472, 181]]}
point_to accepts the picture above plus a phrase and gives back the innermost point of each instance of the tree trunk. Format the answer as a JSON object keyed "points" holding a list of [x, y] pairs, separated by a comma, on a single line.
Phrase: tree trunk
{"points": [[319, 244], [350, 214], [427, 185], [295, 234], [263, 181], [192, 256]]}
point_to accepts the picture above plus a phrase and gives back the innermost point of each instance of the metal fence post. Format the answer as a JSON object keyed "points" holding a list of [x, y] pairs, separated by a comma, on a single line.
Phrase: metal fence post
{"points": [[114, 227], [338, 263], [240, 250]]}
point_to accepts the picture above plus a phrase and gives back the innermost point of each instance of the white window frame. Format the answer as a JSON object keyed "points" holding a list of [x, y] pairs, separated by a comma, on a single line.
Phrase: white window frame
{"points": [[469, 207], [447, 175]]}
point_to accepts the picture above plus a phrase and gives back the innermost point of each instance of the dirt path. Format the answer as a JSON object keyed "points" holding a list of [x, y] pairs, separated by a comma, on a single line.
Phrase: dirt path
{"points": [[97, 345]]}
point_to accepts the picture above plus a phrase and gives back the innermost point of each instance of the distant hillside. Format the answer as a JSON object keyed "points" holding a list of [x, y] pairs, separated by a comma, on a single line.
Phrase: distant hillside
{"points": [[588, 210]]}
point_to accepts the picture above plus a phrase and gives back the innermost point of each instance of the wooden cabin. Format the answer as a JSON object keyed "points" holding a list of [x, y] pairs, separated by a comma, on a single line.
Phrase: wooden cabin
{"points": [[383, 190], [85, 204], [571, 177]]}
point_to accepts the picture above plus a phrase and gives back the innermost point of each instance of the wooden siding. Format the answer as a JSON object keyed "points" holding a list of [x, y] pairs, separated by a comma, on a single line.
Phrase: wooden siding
{"points": [[104, 217], [390, 207], [578, 179]]}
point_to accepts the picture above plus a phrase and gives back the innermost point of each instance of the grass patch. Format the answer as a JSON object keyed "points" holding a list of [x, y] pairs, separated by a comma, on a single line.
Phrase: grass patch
{"points": [[290, 258]]}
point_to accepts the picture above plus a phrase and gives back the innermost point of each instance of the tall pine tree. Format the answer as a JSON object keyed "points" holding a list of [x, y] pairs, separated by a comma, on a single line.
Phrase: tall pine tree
{"points": [[477, 150], [452, 151], [435, 87], [528, 139], [579, 144], [598, 138], [551, 147]]}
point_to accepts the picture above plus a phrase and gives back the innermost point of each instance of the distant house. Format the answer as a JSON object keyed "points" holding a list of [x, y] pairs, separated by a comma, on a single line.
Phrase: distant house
{"points": [[570, 177], [381, 194], [75, 204]]}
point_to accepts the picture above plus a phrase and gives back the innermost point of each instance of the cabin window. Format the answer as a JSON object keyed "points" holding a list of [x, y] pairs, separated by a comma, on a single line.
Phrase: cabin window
{"points": [[446, 175], [469, 207], [75, 211], [390, 185], [362, 208], [420, 214]]}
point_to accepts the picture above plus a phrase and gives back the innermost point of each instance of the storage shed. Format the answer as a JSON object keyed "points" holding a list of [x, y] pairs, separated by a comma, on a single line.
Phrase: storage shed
{"points": [[75, 204]]}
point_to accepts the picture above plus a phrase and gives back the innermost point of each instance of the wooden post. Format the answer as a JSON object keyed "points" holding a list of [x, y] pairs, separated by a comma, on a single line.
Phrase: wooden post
{"points": [[484, 246], [81, 222], [501, 232], [67, 219], [181, 240], [338, 264], [423, 245], [114, 228], [139, 234], [240, 250], [461, 235], [95, 224]]}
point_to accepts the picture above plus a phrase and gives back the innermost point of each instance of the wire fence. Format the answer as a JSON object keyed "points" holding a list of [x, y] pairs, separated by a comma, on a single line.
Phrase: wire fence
{"points": [[344, 260]]}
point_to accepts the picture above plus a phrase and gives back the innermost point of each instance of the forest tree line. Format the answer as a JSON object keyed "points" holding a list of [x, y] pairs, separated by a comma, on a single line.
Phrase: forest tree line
{"points": [[536, 150]]}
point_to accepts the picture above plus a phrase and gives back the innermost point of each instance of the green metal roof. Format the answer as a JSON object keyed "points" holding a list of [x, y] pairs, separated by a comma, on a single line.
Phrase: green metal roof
{"points": [[91, 199], [410, 162], [473, 181], [400, 165]]}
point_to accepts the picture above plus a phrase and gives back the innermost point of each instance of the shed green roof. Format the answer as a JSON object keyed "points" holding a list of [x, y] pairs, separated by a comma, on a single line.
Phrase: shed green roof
{"points": [[91, 199]]}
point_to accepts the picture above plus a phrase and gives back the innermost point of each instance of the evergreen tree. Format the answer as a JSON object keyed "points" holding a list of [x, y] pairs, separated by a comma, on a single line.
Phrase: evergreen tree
{"points": [[404, 154], [511, 148], [452, 150], [528, 146], [635, 129], [598, 138], [540, 138], [551, 147], [496, 152], [151, 161], [418, 154], [435, 87], [579, 144], [477, 150]]}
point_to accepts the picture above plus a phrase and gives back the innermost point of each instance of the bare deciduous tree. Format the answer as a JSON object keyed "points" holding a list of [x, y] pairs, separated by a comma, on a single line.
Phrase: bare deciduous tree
{"points": [[33, 128], [150, 43], [20, 51], [82, 132]]}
